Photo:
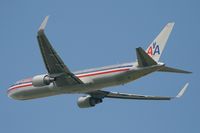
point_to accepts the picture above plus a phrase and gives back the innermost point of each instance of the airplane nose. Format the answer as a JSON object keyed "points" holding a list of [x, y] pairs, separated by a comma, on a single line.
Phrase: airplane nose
{"points": [[11, 94], [14, 94]]}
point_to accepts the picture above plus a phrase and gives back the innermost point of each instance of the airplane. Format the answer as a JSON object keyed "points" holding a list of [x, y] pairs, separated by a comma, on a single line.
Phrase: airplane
{"points": [[91, 82]]}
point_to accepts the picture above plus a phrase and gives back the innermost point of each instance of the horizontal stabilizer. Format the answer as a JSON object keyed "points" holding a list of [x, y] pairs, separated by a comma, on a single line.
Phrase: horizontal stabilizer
{"points": [[174, 70], [143, 58]]}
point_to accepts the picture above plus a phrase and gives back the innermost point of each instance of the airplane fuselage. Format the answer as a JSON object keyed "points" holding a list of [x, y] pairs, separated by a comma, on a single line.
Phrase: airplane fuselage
{"points": [[93, 79]]}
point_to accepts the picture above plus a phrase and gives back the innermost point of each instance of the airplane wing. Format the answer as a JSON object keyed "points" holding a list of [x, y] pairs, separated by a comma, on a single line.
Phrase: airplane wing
{"points": [[53, 63], [106, 94]]}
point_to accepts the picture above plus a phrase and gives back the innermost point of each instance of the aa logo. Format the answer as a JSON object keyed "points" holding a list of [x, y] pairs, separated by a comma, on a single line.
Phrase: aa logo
{"points": [[153, 49]]}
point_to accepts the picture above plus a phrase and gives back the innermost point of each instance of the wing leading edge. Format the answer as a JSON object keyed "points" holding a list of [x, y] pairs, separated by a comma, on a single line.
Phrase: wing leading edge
{"points": [[53, 63], [106, 94]]}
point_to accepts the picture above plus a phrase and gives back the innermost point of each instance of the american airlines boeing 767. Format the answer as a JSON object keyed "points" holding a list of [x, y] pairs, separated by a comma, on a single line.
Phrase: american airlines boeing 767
{"points": [[60, 80]]}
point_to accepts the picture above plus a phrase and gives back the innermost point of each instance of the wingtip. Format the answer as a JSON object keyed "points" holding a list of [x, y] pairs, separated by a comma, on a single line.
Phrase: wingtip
{"points": [[138, 48], [171, 24], [180, 94], [188, 72], [44, 23]]}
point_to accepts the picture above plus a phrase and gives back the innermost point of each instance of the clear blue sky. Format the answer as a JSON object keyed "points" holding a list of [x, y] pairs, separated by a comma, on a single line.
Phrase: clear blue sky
{"points": [[96, 33]]}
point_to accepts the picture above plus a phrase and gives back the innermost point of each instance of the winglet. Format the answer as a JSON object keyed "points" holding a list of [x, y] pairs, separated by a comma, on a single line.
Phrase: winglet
{"points": [[43, 25], [182, 90]]}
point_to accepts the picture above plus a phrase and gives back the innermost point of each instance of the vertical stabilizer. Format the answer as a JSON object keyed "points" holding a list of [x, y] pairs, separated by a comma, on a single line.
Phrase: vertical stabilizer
{"points": [[156, 48]]}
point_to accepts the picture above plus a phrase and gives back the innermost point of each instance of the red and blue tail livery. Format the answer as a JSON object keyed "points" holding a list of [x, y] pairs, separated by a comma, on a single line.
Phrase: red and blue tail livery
{"points": [[156, 48], [153, 50]]}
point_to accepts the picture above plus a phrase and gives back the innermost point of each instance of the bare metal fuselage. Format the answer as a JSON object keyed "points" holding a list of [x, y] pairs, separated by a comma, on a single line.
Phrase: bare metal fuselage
{"points": [[93, 79]]}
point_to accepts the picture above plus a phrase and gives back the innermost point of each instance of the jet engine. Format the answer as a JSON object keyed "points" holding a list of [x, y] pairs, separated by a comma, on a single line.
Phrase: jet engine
{"points": [[88, 101], [42, 80]]}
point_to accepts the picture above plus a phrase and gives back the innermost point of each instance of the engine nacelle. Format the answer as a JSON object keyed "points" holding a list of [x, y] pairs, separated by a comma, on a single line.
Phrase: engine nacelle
{"points": [[88, 101], [42, 80]]}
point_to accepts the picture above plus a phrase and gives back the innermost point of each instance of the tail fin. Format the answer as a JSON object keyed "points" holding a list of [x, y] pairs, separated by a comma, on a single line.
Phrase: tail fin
{"points": [[156, 48]]}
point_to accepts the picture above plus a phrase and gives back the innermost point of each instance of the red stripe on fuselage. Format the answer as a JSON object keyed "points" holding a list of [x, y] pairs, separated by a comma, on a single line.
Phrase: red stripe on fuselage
{"points": [[19, 86], [78, 75], [99, 73]]}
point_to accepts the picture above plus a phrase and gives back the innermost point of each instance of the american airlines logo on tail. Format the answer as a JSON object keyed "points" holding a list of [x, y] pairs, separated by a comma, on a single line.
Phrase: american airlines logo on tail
{"points": [[153, 49]]}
